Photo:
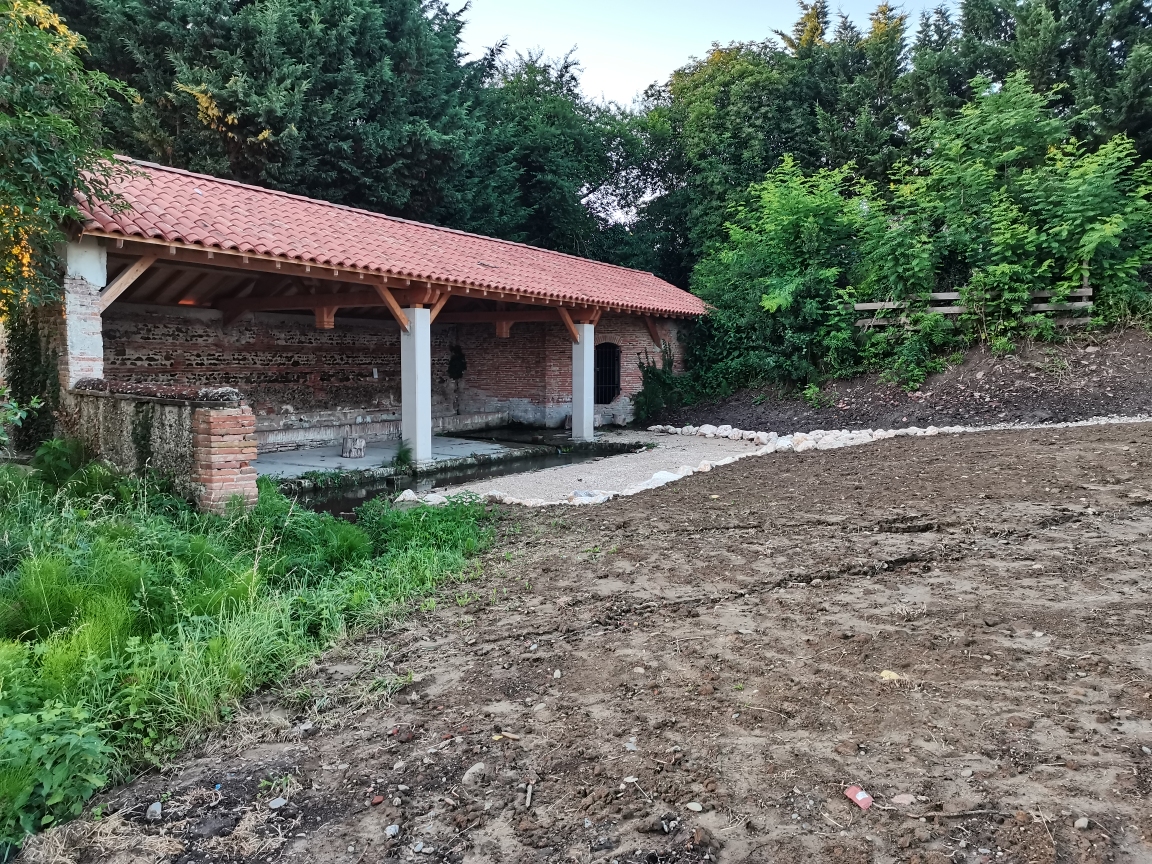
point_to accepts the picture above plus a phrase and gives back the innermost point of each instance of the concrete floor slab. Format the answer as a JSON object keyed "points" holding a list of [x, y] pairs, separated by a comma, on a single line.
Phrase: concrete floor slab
{"points": [[296, 463]]}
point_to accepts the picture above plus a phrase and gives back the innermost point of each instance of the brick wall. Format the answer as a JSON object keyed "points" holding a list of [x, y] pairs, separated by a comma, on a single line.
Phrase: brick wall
{"points": [[285, 368], [224, 448]]}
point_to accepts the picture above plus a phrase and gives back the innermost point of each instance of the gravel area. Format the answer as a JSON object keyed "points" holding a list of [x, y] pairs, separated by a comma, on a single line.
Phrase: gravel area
{"points": [[612, 473]]}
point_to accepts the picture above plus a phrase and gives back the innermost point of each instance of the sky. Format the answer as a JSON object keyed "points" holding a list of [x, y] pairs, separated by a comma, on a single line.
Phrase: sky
{"points": [[625, 45]]}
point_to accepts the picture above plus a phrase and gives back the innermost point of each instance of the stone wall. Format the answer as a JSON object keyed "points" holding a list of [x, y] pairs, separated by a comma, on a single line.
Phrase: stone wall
{"points": [[296, 377], [201, 441]]}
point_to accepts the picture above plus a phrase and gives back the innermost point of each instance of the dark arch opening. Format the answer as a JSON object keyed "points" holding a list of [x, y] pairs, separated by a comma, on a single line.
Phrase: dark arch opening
{"points": [[607, 373]]}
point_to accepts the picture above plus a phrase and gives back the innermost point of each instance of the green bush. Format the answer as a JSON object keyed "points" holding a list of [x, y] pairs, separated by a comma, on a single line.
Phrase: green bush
{"points": [[130, 623], [1001, 206]]}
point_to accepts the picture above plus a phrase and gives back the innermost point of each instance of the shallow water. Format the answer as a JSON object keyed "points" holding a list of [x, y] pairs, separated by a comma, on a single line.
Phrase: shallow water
{"points": [[343, 501]]}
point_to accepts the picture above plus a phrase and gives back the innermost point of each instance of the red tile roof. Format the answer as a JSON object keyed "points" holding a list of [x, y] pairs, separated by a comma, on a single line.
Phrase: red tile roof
{"points": [[181, 207]]}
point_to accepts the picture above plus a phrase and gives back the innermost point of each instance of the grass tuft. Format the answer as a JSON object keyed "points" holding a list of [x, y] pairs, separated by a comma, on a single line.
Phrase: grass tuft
{"points": [[129, 623]]}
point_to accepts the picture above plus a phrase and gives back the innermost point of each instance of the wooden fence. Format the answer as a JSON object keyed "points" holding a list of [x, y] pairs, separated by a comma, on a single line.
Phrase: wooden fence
{"points": [[943, 296]]}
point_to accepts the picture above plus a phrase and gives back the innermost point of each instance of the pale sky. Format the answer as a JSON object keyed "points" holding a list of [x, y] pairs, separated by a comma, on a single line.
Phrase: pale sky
{"points": [[625, 45]]}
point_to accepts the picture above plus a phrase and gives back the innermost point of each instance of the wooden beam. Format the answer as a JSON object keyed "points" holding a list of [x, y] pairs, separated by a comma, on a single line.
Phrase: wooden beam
{"points": [[653, 331], [439, 305], [393, 306], [527, 316], [283, 302], [569, 323], [325, 317], [503, 329], [124, 281], [596, 318]]}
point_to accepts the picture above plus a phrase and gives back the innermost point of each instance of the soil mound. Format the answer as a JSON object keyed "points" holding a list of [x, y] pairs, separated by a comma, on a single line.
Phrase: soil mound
{"points": [[1087, 376]]}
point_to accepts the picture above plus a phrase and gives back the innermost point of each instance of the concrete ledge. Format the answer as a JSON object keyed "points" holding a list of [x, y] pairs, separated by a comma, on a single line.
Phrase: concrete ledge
{"points": [[322, 428]]}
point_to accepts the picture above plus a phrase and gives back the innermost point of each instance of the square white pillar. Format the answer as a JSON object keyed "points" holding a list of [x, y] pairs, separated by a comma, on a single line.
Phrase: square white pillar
{"points": [[83, 336], [583, 381], [416, 384]]}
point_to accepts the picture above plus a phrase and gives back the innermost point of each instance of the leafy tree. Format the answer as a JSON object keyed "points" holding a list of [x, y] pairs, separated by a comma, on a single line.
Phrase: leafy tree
{"points": [[50, 146], [545, 166], [355, 101], [781, 284]]}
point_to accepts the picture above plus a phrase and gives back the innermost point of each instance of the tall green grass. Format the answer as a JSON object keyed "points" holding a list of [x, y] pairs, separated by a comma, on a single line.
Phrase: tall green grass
{"points": [[130, 623]]}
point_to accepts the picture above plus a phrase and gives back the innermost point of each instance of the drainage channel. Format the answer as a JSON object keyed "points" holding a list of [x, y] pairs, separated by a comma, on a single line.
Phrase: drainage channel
{"points": [[534, 450]]}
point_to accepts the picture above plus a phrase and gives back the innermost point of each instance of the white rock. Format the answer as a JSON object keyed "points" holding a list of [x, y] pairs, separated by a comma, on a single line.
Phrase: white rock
{"points": [[762, 438], [931, 430], [590, 496], [654, 429], [407, 496], [155, 811], [556, 674], [474, 776], [688, 430], [750, 436], [277, 803], [736, 435], [915, 430], [722, 431], [818, 435], [434, 499], [801, 443], [532, 502], [707, 430], [1081, 823], [684, 470], [694, 806], [704, 467], [784, 445], [392, 830], [766, 449]]}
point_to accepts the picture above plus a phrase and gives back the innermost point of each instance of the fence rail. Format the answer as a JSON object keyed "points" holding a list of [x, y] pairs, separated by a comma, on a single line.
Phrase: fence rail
{"points": [[883, 305]]}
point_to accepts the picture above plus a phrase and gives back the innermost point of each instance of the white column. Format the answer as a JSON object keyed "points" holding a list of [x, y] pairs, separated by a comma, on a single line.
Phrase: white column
{"points": [[583, 380], [416, 384], [85, 276]]}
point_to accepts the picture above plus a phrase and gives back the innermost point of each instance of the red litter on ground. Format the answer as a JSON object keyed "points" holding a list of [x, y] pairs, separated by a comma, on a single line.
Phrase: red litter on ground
{"points": [[862, 798]]}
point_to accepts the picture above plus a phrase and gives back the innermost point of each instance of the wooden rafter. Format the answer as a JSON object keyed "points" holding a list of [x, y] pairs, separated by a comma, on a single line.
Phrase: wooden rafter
{"points": [[653, 330], [438, 306], [393, 306], [124, 281], [569, 323]]}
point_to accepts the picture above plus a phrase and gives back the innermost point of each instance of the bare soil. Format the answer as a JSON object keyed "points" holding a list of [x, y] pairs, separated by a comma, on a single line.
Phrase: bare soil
{"points": [[960, 625], [1086, 376]]}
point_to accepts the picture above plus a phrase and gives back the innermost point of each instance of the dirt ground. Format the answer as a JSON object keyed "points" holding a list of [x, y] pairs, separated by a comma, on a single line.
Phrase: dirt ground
{"points": [[960, 625], [1087, 376]]}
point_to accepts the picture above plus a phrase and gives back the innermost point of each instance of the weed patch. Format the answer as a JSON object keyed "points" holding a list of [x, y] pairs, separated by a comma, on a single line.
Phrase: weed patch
{"points": [[129, 623]]}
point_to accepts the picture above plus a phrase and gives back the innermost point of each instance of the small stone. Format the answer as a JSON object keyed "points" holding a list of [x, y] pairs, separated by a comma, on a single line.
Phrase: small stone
{"points": [[406, 497], [155, 811], [556, 674], [277, 803], [967, 772], [1081, 823], [396, 802], [392, 830], [377, 800], [474, 775], [695, 806]]}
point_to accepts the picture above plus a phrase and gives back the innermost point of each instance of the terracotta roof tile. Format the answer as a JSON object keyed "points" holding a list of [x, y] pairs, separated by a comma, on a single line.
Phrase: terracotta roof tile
{"points": [[181, 207]]}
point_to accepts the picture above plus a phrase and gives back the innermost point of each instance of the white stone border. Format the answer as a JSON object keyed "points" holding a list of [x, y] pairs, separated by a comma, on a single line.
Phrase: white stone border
{"points": [[765, 444]]}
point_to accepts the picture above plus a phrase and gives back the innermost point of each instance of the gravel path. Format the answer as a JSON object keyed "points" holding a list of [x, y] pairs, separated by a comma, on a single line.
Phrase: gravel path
{"points": [[612, 473]]}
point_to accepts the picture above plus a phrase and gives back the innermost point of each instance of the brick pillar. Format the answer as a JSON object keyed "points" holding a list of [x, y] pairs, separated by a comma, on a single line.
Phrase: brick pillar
{"points": [[223, 450], [82, 342]]}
